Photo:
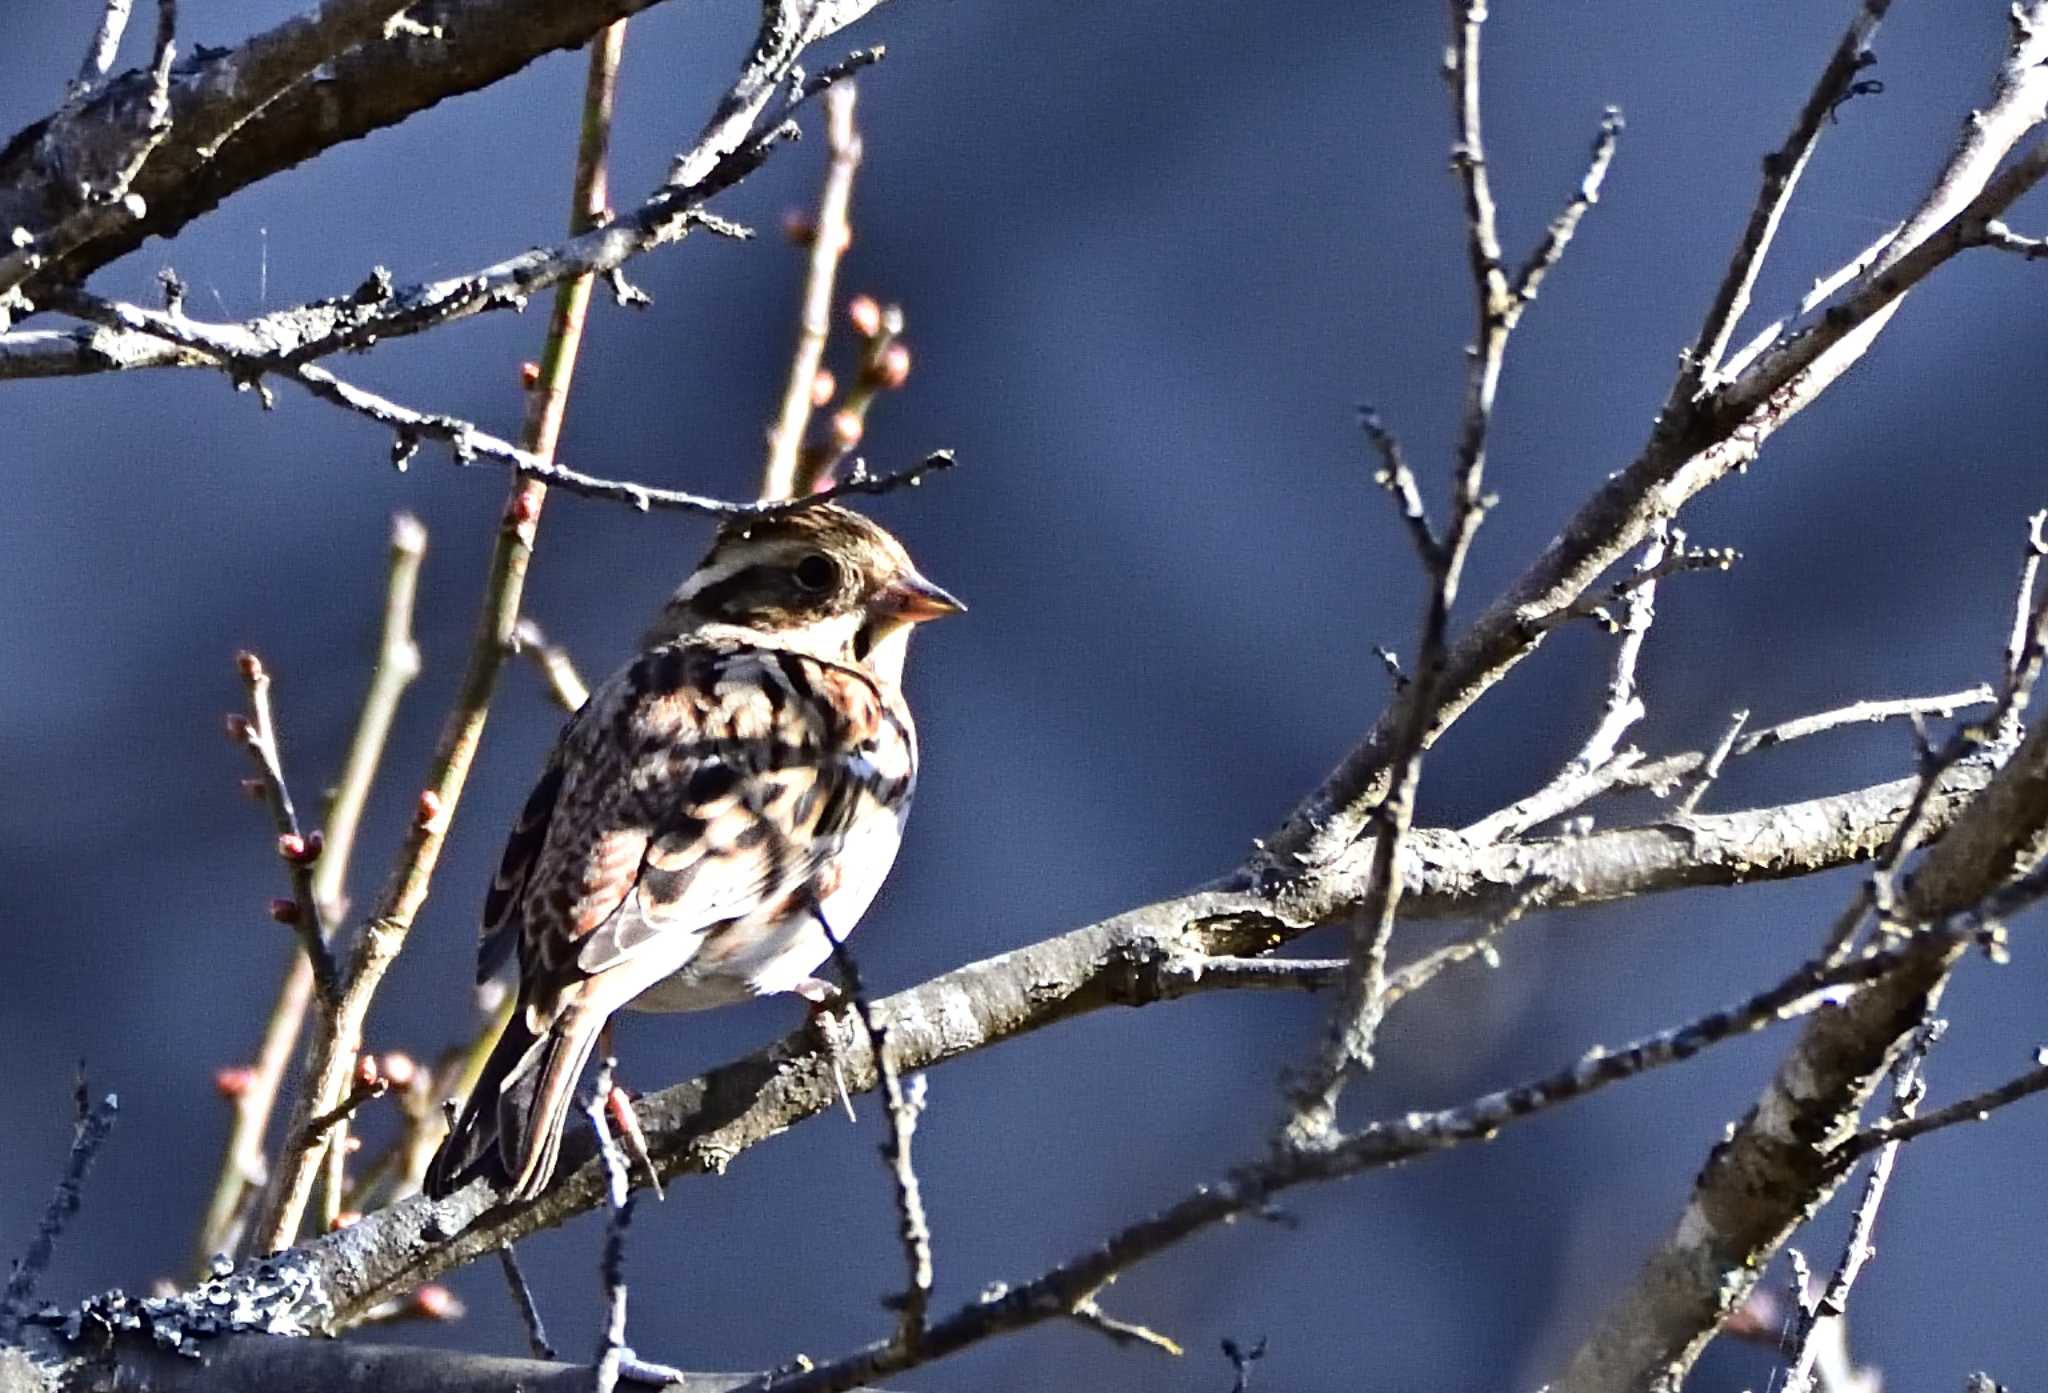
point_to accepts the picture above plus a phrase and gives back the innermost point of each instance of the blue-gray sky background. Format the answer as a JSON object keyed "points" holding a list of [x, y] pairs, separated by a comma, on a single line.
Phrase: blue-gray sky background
{"points": [[1152, 255]]}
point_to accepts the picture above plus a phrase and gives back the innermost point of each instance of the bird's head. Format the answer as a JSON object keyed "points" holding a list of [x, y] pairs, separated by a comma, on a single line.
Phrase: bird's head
{"points": [[822, 580]]}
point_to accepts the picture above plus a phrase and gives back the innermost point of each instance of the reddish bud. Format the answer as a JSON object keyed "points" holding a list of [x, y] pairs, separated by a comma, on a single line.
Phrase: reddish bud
{"points": [[237, 727], [292, 847], [399, 1069], [345, 1219], [823, 387], [799, 228], [250, 665], [429, 808], [894, 369], [256, 789], [865, 314], [366, 1071], [435, 1302], [285, 911], [846, 429], [523, 507], [235, 1081], [529, 376], [353, 1145]]}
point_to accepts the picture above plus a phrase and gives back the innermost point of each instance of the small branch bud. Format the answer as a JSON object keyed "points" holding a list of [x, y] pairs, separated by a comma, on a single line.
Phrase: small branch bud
{"points": [[823, 387], [235, 1081], [292, 847], [283, 910], [237, 728], [846, 429], [866, 315], [255, 789], [799, 228], [529, 376], [435, 1302], [250, 666], [345, 1219], [367, 1075], [398, 1069], [894, 369], [429, 809]]}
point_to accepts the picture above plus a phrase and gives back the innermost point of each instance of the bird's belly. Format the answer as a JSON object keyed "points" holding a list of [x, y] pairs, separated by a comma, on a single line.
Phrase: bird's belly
{"points": [[754, 957]]}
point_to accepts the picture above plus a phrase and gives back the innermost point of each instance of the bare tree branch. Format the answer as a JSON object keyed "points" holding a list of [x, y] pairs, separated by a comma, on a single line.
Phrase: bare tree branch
{"points": [[226, 139], [243, 1164], [1778, 1165], [1130, 960], [88, 1133], [831, 233], [232, 348], [1909, 1086], [1701, 443], [1376, 1146], [1782, 169]]}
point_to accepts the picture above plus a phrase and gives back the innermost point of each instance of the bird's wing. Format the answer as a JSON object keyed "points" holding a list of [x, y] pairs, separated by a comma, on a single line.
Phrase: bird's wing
{"points": [[700, 784]]}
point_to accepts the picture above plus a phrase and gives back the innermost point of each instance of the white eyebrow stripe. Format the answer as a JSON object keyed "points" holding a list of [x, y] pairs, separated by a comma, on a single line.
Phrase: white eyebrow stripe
{"points": [[709, 576]]}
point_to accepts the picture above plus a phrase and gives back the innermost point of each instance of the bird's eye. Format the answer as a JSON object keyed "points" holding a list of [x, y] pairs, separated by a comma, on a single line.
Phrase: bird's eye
{"points": [[817, 573]]}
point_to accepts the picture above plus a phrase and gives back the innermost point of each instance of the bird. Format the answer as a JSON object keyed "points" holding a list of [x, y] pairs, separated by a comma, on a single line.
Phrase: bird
{"points": [[718, 812]]}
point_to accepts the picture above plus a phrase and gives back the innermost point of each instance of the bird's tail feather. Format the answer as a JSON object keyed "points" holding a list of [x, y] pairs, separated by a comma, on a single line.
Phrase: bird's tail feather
{"points": [[511, 1125]]}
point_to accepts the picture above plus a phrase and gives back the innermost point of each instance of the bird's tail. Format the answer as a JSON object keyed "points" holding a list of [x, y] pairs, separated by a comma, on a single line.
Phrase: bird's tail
{"points": [[511, 1125]]}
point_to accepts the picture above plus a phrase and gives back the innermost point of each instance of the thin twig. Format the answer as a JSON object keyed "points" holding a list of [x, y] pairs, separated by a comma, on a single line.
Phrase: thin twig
{"points": [[1551, 250], [1348, 1043], [1998, 235], [1397, 480], [1088, 1312], [299, 850], [396, 666], [89, 1131], [612, 1349], [1597, 765], [1186, 974], [1711, 770], [904, 1106], [339, 1039], [522, 1296], [832, 234], [1909, 1086], [1999, 726], [365, 1090], [1975, 1108], [1782, 169], [1662, 773], [2023, 606], [244, 1165], [557, 668], [99, 55], [1675, 559]]}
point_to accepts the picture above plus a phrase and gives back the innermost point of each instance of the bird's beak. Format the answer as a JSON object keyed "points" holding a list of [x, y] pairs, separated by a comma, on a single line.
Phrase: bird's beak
{"points": [[912, 599]]}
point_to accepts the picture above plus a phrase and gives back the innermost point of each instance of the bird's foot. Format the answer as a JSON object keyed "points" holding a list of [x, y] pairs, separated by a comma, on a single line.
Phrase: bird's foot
{"points": [[634, 1369], [618, 1107], [832, 1027], [817, 991]]}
